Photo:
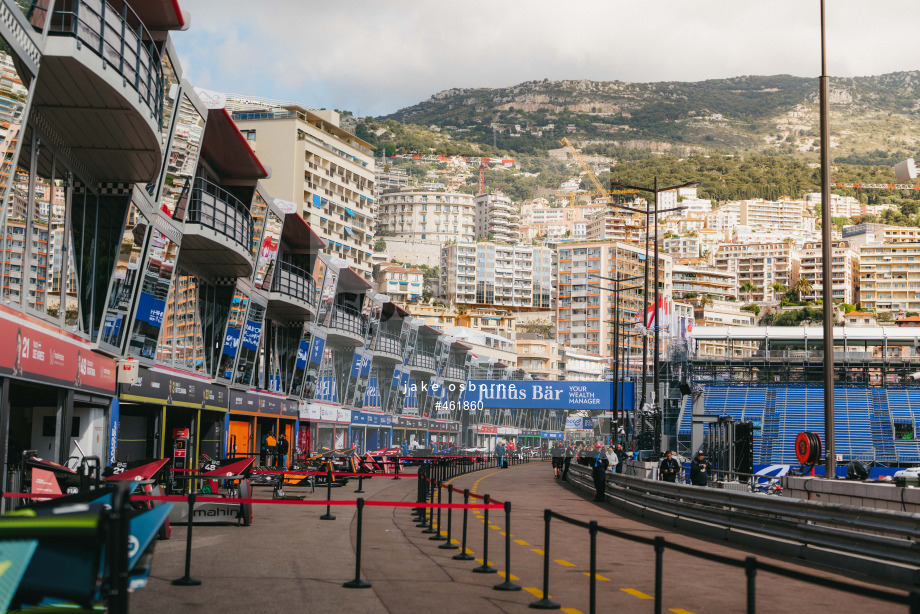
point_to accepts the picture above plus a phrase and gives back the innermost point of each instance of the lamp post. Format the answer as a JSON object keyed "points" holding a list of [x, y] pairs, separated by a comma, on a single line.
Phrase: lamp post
{"points": [[655, 190], [616, 335]]}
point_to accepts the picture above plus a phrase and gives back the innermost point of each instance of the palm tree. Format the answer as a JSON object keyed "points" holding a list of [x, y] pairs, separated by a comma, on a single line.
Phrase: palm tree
{"points": [[802, 286], [749, 288]]}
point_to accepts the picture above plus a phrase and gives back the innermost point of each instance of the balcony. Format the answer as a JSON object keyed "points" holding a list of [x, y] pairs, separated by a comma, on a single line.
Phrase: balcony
{"points": [[387, 346], [102, 87], [423, 361], [218, 233], [347, 326], [293, 293], [455, 372]]}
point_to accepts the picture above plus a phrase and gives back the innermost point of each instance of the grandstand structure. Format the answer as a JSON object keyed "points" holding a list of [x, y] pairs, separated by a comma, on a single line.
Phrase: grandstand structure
{"points": [[778, 389]]}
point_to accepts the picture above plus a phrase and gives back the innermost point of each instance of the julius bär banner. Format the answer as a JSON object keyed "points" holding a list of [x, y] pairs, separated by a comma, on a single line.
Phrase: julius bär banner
{"points": [[484, 394], [42, 353]]}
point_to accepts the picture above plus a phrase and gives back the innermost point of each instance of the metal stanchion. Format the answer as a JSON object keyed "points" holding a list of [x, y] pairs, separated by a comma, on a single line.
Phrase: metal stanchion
{"points": [[358, 582], [437, 537], [485, 567], [450, 499], [429, 527], [328, 515], [187, 579], [360, 484], [464, 555], [507, 585], [396, 469], [545, 603], [750, 570], [659, 555], [420, 495]]}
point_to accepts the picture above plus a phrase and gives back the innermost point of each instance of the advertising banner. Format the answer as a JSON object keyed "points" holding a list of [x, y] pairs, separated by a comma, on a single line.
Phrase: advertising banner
{"points": [[258, 402], [165, 388], [481, 394], [48, 355]]}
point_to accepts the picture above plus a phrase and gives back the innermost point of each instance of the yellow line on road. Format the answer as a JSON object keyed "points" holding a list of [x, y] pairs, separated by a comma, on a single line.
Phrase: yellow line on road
{"points": [[571, 611], [598, 576], [513, 577], [565, 563], [521, 541], [636, 593], [680, 611], [536, 592], [538, 551]]}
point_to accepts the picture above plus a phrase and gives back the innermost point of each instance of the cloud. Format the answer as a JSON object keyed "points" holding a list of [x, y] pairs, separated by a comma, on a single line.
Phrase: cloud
{"points": [[374, 57]]}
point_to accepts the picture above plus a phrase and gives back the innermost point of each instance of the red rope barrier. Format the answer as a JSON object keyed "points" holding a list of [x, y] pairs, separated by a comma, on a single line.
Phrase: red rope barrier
{"points": [[413, 504]]}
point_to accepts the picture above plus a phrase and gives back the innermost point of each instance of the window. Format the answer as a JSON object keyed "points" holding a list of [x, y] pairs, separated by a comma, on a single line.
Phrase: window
{"points": [[904, 431]]}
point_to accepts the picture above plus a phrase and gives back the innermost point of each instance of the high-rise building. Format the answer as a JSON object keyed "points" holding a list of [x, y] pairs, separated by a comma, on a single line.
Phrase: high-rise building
{"points": [[844, 271], [497, 219], [427, 216], [766, 266], [887, 278], [512, 276], [325, 171]]}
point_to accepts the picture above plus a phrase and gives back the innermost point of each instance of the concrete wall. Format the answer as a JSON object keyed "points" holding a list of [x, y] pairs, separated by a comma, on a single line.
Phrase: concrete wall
{"points": [[413, 252], [850, 492]]}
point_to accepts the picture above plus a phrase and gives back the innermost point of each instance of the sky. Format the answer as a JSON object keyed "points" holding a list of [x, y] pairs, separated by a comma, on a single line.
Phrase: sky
{"points": [[374, 57]]}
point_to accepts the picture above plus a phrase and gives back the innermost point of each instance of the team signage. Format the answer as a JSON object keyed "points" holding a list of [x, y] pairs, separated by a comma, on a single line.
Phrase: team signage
{"points": [[257, 402], [164, 388], [485, 394]]}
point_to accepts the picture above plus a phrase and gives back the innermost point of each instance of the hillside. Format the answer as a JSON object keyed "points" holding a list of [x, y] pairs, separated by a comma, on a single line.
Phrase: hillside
{"points": [[873, 119]]}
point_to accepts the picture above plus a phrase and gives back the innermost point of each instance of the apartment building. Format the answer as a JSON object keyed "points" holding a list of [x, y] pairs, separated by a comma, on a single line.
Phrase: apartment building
{"points": [[780, 215], [607, 225], [427, 216], [723, 313], [698, 283], [497, 219], [848, 206], [538, 356], [388, 179], [889, 277], [765, 265], [844, 271], [518, 277], [325, 171], [401, 284], [585, 308], [681, 247]]}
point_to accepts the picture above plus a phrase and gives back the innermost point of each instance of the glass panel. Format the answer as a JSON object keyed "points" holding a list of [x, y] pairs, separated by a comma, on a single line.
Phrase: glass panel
{"points": [[300, 364], [170, 97], [37, 248], [124, 280], [57, 244], [189, 336], [151, 304], [232, 336], [166, 345], [182, 159], [249, 346], [268, 253], [16, 218], [258, 210]]}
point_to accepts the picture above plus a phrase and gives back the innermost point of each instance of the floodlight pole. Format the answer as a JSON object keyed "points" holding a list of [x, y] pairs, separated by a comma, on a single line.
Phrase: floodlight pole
{"points": [[830, 459]]}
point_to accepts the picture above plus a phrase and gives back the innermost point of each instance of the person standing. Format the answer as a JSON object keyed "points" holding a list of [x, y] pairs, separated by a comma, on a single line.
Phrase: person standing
{"points": [[558, 453], [283, 447], [700, 470], [613, 459], [621, 456], [599, 473], [669, 468], [263, 451], [500, 453], [404, 449], [566, 461]]}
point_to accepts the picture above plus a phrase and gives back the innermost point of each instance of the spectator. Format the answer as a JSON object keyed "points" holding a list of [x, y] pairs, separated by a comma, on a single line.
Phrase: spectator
{"points": [[558, 454], [613, 459], [700, 470], [669, 468], [263, 451], [283, 447], [621, 456], [500, 453], [566, 461], [272, 444]]}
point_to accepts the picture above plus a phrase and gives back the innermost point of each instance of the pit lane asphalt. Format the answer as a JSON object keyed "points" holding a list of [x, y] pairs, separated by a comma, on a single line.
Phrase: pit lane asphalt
{"points": [[291, 561]]}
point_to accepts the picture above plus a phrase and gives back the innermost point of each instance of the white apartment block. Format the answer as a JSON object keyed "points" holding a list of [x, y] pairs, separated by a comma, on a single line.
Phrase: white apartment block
{"points": [[497, 218], [427, 216], [724, 219], [387, 180], [512, 276], [608, 226], [786, 215], [584, 311], [681, 248], [848, 206], [763, 265], [401, 284], [695, 283], [889, 277], [538, 356], [724, 313], [327, 172], [844, 271]]}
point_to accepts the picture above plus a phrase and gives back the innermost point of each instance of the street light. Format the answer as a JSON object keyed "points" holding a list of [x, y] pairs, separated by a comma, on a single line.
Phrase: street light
{"points": [[655, 190], [616, 334]]}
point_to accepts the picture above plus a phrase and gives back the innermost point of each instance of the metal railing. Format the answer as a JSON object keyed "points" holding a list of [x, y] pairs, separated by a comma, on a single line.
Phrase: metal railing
{"points": [[295, 282], [348, 320], [389, 343], [423, 360], [455, 372], [218, 209], [109, 34]]}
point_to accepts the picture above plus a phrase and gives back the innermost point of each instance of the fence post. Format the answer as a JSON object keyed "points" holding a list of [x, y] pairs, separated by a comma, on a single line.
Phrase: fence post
{"points": [[464, 556], [750, 570], [429, 525], [592, 529], [507, 585], [419, 496], [396, 469], [659, 555], [545, 603], [423, 497], [358, 582], [485, 567], [437, 537], [360, 485], [450, 499], [187, 580], [328, 515]]}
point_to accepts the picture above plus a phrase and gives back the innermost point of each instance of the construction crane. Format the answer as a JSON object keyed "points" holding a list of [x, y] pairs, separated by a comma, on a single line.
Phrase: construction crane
{"points": [[599, 188]]}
